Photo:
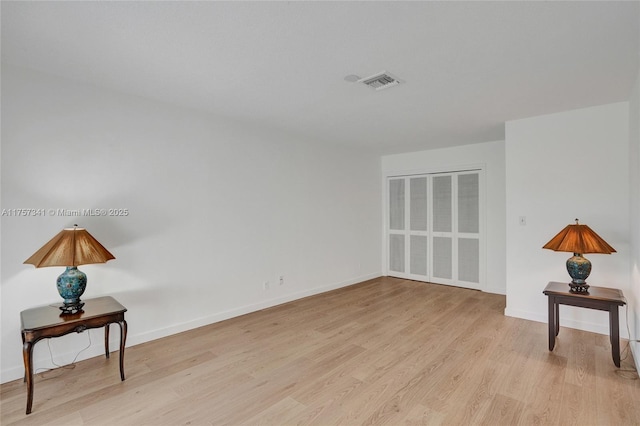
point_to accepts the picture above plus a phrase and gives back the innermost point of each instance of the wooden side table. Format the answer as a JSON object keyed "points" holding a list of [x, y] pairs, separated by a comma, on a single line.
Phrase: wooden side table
{"points": [[47, 321], [600, 298]]}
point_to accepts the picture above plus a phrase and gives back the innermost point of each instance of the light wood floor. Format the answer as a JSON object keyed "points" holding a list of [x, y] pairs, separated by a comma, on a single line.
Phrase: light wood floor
{"points": [[386, 351]]}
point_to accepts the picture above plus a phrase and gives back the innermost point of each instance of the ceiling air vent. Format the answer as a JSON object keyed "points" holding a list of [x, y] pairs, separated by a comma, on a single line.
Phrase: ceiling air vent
{"points": [[380, 81]]}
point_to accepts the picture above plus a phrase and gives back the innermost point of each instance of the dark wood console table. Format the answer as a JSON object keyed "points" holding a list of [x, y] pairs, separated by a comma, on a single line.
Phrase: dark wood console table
{"points": [[47, 321], [600, 298]]}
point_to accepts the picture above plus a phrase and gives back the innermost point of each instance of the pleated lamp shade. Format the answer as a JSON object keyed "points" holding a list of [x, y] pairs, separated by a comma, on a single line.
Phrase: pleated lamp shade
{"points": [[579, 239], [71, 247]]}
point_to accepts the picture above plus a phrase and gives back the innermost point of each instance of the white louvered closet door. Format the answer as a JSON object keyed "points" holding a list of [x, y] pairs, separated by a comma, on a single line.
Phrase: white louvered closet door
{"points": [[397, 229], [468, 230], [434, 228], [442, 229], [408, 239]]}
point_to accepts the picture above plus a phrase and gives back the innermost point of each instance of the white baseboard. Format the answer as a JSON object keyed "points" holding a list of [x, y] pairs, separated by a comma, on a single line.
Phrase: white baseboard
{"points": [[635, 351], [44, 361], [564, 322], [243, 310], [495, 290]]}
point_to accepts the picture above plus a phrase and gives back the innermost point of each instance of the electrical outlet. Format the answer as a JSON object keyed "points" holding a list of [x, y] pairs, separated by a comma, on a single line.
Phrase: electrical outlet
{"points": [[281, 279], [266, 285]]}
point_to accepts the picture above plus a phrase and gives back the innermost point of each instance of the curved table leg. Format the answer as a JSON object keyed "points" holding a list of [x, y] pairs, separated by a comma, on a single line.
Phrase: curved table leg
{"points": [[106, 340], [614, 334], [123, 340], [553, 319], [27, 351]]}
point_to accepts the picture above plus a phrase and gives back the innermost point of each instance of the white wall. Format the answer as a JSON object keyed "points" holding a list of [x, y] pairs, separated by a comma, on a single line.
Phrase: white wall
{"points": [[490, 156], [559, 167], [633, 299], [216, 209]]}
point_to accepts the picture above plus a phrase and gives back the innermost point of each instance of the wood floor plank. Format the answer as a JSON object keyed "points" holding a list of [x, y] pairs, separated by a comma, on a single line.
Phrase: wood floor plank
{"points": [[618, 405], [281, 412], [544, 403], [504, 410], [385, 351], [423, 416]]}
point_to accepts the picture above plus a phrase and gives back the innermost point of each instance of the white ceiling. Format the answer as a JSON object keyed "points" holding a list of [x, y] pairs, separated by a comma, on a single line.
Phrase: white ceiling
{"points": [[467, 67]]}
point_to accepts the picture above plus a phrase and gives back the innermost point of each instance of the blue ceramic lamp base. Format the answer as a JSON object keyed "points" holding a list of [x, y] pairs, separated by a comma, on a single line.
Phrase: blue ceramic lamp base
{"points": [[71, 284], [579, 269]]}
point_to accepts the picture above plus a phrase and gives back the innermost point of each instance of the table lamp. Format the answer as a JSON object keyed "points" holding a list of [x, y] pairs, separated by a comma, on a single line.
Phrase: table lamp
{"points": [[70, 248], [579, 239]]}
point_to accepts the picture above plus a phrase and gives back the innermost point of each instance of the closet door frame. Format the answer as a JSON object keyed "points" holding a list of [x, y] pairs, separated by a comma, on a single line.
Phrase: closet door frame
{"points": [[454, 172]]}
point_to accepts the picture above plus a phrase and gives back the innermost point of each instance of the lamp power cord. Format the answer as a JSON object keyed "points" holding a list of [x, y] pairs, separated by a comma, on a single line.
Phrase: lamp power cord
{"points": [[42, 372], [628, 373]]}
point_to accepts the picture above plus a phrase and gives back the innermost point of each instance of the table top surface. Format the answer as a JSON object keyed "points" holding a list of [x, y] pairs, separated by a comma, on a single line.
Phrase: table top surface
{"points": [[51, 315], [613, 295]]}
